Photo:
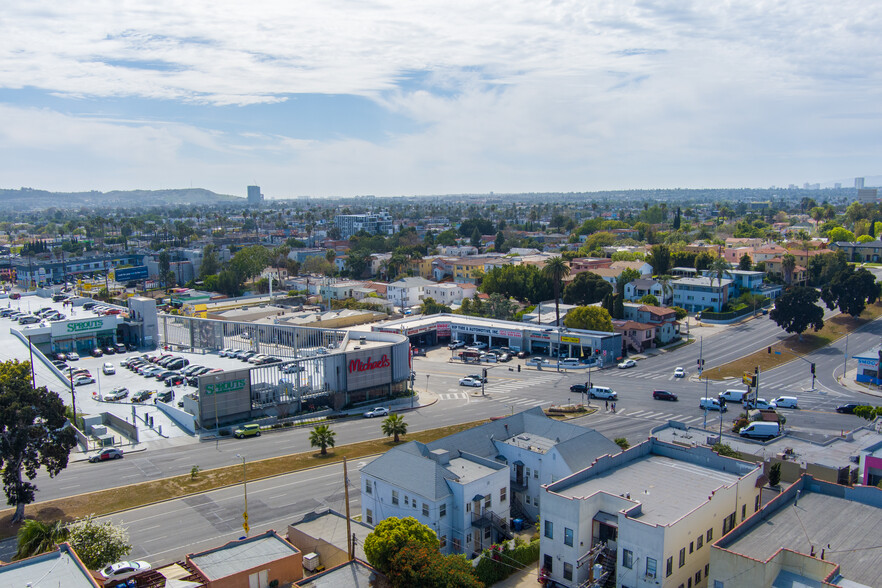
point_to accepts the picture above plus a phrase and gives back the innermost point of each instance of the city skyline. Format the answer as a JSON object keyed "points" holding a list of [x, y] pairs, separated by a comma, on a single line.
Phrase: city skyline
{"points": [[397, 99]]}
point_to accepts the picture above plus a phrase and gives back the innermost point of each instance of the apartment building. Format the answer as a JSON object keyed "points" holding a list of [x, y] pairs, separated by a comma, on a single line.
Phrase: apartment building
{"points": [[694, 294]]}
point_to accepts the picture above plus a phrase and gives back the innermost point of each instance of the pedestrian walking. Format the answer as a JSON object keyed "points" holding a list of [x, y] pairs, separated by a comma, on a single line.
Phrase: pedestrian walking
{"points": [[606, 402], [613, 406]]}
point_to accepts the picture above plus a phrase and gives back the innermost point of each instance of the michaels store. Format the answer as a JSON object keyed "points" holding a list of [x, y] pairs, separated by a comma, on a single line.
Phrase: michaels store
{"points": [[440, 329]]}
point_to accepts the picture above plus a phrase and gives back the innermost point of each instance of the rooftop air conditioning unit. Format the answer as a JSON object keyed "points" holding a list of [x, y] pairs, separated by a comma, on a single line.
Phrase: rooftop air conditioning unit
{"points": [[311, 562]]}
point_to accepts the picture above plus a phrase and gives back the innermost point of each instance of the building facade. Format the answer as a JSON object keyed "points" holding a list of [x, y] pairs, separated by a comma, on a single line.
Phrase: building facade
{"points": [[379, 223]]}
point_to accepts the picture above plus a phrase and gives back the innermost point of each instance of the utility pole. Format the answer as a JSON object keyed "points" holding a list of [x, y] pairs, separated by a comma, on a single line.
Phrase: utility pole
{"points": [[350, 548]]}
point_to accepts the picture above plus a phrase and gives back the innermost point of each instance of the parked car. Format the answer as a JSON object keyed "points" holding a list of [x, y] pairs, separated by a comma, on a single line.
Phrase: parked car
{"points": [[83, 380], [504, 357], [679, 372], [479, 345], [28, 320], [226, 352], [117, 394], [470, 382], [537, 361], [142, 396], [123, 570], [97, 352], [72, 356], [523, 354], [663, 395], [120, 348], [456, 345], [628, 363], [106, 454], [164, 396], [760, 430], [379, 411], [108, 369], [109, 350], [252, 430], [175, 380], [292, 368]]}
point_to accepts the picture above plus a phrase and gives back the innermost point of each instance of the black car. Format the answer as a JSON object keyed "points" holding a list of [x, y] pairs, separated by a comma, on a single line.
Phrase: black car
{"points": [[89, 305], [579, 388], [164, 396], [663, 395], [847, 408], [97, 352], [142, 396], [523, 354], [175, 380], [109, 350]]}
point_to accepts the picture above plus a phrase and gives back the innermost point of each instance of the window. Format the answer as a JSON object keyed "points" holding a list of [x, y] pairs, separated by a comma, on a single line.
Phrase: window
{"points": [[568, 571], [369, 516], [468, 507], [367, 487], [729, 523], [706, 570], [756, 503], [651, 567], [669, 566], [743, 511], [503, 494], [536, 474], [718, 584], [527, 499], [425, 509], [456, 545], [691, 547], [395, 497], [487, 502], [689, 583], [443, 541], [549, 530], [406, 502], [697, 577], [527, 470], [700, 541], [710, 535], [535, 501], [627, 559], [548, 563], [682, 557], [487, 532], [468, 538], [442, 510], [568, 536]]}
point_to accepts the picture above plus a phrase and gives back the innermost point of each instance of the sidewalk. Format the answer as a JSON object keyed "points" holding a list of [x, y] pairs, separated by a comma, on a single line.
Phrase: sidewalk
{"points": [[848, 382], [528, 577]]}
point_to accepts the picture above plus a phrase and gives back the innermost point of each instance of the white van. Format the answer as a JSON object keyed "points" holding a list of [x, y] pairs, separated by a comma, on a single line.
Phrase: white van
{"points": [[733, 395], [760, 430], [787, 402], [570, 363], [711, 404], [602, 392]]}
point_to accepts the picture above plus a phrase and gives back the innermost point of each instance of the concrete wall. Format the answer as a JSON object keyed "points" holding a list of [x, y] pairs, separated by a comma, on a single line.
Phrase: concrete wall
{"points": [[128, 429], [329, 554], [180, 416]]}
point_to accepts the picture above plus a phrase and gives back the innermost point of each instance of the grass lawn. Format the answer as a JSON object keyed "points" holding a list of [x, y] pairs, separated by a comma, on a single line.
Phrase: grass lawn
{"points": [[836, 327], [126, 497]]}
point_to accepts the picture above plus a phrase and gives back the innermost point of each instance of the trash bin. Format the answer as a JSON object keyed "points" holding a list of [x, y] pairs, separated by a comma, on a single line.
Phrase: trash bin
{"points": [[517, 524]]}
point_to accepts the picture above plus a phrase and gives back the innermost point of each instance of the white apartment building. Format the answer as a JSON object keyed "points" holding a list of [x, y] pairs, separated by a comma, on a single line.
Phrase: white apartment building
{"points": [[449, 293], [647, 515], [407, 292], [695, 294]]}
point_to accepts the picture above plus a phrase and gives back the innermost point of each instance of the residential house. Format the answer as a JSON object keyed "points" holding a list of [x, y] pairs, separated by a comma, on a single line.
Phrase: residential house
{"points": [[608, 274], [775, 268], [378, 261], [340, 290], [643, 268], [648, 515], [815, 533], [637, 289], [59, 568], [407, 292], [695, 294], [457, 250], [858, 252], [448, 293], [446, 477], [664, 320], [584, 264], [767, 252], [251, 561], [467, 270], [636, 336]]}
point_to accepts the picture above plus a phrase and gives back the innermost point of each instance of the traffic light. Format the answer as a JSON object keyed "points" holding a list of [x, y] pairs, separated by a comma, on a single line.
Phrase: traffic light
{"points": [[484, 373], [769, 349], [813, 369]]}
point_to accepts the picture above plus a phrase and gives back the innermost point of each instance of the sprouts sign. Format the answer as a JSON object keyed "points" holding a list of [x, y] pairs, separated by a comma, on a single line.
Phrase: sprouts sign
{"points": [[224, 397], [368, 368], [84, 327]]}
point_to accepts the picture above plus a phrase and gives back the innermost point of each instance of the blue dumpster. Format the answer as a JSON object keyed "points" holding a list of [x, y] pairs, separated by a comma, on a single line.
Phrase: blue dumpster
{"points": [[517, 524]]}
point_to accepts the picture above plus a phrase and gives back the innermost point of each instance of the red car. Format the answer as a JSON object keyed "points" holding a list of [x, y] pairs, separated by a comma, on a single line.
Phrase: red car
{"points": [[106, 454]]}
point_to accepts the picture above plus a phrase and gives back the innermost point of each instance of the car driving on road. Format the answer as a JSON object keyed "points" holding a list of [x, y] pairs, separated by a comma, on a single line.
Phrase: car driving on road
{"points": [[663, 395], [470, 382], [628, 363], [679, 372]]}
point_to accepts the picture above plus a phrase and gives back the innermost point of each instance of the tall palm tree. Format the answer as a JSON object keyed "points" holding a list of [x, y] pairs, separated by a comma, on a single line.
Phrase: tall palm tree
{"points": [[323, 437], [36, 537], [788, 264], [556, 269], [718, 267], [394, 425]]}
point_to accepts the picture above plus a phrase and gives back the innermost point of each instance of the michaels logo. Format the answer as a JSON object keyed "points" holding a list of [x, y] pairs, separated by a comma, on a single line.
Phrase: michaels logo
{"points": [[357, 365]]}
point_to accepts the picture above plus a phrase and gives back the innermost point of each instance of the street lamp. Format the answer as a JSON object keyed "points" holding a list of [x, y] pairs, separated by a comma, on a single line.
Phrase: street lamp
{"points": [[245, 487]]}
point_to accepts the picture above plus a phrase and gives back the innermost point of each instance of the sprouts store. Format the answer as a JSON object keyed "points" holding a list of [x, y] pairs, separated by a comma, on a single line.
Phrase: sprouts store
{"points": [[81, 336]]}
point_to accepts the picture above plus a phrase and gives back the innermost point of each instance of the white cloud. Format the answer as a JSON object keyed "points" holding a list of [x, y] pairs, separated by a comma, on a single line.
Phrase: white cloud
{"points": [[517, 95]]}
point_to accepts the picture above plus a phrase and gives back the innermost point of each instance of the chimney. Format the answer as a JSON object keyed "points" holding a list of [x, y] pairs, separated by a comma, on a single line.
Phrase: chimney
{"points": [[441, 456]]}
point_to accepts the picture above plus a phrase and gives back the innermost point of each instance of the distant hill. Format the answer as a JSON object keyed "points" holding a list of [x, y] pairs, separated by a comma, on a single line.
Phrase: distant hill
{"points": [[26, 199]]}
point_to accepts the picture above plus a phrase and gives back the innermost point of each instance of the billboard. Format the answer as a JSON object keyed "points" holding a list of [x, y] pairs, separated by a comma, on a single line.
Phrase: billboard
{"points": [[224, 397], [126, 274]]}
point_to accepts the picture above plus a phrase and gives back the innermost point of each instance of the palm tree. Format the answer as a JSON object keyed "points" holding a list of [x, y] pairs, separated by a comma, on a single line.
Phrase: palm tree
{"points": [[36, 537], [322, 436], [719, 266], [788, 264], [556, 269], [394, 425]]}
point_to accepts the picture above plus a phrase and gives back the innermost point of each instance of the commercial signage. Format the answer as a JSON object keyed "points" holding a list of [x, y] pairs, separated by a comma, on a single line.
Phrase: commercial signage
{"points": [[473, 329], [443, 329], [568, 339], [229, 386], [868, 362], [360, 365], [506, 333], [84, 326], [541, 336], [125, 274]]}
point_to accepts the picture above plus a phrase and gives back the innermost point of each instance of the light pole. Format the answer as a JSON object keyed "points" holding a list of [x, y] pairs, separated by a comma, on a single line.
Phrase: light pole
{"points": [[245, 487]]}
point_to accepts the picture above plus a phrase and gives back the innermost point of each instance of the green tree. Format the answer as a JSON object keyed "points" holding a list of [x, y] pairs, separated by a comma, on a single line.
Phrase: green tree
{"points": [[499, 243], [476, 238], [838, 234], [592, 318], [627, 275], [446, 238], [660, 259], [869, 413], [851, 290], [98, 544], [622, 442], [719, 267], [322, 436], [725, 450], [703, 260], [36, 537], [618, 306], [164, 267], [797, 310], [775, 475], [394, 425], [788, 264], [391, 535], [417, 564], [556, 269], [33, 434], [210, 261], [745, 263], [429, 306], [586, 288]]}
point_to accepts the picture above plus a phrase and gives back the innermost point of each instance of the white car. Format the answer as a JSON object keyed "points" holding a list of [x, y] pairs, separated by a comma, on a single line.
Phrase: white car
{"points": [[124, 569], [108, 369], [83, 380], [470, 382], [628, 363], [679, 372], [537, 361], [763, 404], [456, 345], [376, 412], [479, 345]]}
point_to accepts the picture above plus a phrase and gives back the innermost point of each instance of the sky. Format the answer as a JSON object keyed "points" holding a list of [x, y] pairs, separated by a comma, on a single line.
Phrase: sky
{"points": [[343, 98]]}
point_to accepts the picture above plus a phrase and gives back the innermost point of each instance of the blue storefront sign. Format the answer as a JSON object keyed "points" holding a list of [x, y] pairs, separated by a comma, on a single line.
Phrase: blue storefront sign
{"points": [[126, 274]]}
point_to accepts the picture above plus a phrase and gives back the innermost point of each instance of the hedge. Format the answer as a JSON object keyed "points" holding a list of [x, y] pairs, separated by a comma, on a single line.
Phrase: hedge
{"points": [[499, 562]]}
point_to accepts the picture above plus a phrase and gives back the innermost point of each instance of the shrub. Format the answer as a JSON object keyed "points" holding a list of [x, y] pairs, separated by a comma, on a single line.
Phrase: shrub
{"points": [[499, 562]]}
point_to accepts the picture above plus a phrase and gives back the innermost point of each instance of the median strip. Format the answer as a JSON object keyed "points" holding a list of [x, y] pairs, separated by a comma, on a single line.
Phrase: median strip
{"points": [[104, 502]]}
